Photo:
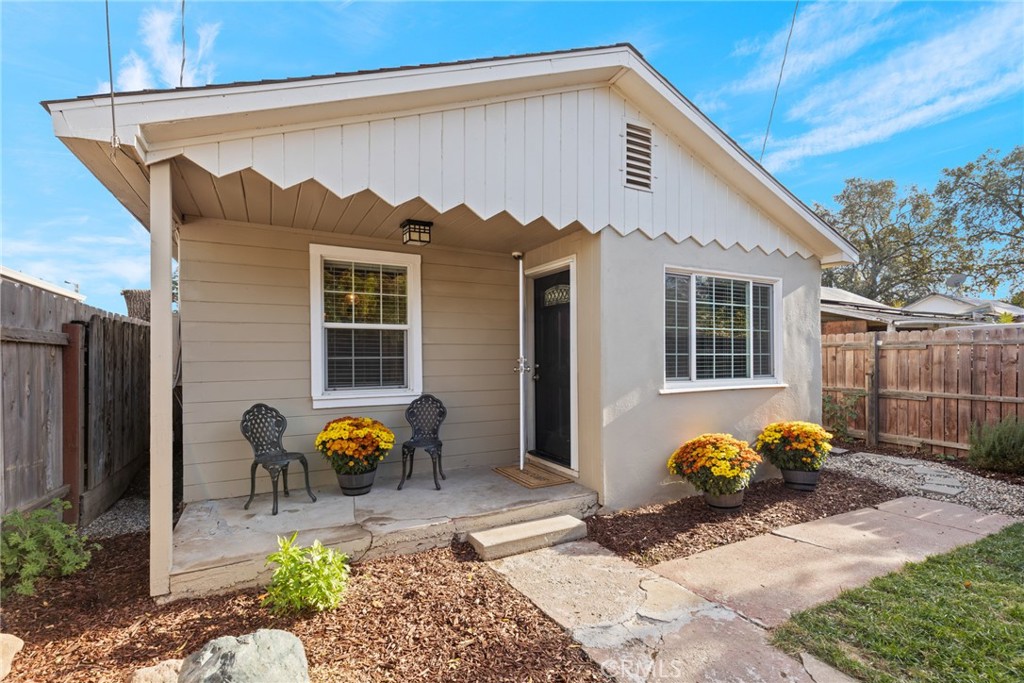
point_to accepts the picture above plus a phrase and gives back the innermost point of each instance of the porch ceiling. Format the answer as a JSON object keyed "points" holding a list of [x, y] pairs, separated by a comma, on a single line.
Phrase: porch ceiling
{"points": [[246, 196]]}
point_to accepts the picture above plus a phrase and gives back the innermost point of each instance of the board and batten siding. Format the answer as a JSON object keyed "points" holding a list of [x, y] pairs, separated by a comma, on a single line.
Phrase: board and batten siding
{"points": [[245, 333], [557, 156]]}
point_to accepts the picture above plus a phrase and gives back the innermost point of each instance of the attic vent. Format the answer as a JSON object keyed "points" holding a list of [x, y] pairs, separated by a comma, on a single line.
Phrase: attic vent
{"points": [[638, 156]]}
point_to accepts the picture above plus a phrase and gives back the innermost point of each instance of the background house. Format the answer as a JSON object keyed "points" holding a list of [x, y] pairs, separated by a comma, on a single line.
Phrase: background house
{"points": [[669, 286], [844, 312], [977, 309]]}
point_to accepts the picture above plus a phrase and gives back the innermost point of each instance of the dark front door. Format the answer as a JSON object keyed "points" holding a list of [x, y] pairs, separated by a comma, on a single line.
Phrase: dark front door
{"points": [[552, 402]]}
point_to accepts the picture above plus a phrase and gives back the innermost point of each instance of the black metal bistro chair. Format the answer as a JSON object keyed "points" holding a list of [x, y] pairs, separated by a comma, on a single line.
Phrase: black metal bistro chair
{"points": [[263, 427], [425, 416]]}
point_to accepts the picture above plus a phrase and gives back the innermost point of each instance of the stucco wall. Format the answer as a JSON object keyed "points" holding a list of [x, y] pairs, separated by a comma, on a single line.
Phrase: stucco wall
{"points": [[641, 427], [245, 334]]}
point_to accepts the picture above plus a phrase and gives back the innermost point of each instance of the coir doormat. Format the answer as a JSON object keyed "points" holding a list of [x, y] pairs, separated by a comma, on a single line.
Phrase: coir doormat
{"points": [[533, 476]]}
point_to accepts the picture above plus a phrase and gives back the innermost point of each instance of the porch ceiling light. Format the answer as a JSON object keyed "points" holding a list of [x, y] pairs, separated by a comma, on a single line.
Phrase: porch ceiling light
{"points": [[416, 233]]}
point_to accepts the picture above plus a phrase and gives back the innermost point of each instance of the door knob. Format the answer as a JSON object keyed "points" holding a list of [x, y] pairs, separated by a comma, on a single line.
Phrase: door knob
{"points": [[536, 372]]}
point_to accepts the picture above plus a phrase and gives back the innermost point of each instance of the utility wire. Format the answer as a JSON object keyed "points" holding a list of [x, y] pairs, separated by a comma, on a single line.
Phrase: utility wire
{"points": [[115, 143], [775, 99], [181, 74]]}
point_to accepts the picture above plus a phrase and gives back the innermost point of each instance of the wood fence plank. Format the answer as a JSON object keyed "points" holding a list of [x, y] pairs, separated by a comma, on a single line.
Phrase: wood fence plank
{"points": [[1010, 357], [937, 405], [949, 423], [913, 385]]}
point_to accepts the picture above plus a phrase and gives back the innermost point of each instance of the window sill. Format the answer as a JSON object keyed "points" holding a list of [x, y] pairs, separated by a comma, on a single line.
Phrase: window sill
{"points": [[364, 401], [720, 387]]}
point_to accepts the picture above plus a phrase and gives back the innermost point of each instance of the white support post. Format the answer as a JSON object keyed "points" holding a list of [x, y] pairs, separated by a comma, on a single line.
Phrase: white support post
{"points": [[161, 379]]}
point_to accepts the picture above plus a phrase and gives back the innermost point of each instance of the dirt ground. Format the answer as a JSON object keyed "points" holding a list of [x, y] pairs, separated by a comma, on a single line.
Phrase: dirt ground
{"points": [[440, 615]]}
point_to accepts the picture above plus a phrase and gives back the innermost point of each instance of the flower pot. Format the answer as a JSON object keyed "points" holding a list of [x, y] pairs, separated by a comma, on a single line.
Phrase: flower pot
{"points": [[356, 484], [724, 501], [799, 480]]}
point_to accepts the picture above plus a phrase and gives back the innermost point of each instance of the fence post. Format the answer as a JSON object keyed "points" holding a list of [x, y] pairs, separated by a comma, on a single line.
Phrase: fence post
{"points": [[871, 398], [73, 363]]}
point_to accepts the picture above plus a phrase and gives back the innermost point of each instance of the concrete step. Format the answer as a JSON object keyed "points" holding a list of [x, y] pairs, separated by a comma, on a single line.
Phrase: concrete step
{"points": [[492, 544]]}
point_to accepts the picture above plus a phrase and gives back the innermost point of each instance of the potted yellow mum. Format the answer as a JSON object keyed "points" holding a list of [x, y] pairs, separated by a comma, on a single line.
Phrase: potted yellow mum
{"points": [[354, 446], [718, 465], [798, 449]]}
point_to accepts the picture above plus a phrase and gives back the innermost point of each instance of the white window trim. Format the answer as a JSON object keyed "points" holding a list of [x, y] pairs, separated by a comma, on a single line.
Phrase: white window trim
{"points": [[684, 386], [322, 398]]}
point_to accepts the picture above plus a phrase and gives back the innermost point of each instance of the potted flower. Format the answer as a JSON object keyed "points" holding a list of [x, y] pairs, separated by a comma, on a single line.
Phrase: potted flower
{"points": [[718, 465], [354, 446], [798, 449]]}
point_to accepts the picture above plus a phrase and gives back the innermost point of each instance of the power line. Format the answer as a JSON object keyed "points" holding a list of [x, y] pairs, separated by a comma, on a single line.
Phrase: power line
{"points": [[114, 141], [181, 73], [775, 99]]}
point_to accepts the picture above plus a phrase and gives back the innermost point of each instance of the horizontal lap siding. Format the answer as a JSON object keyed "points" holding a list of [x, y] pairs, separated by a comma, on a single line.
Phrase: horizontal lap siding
{"points": [[245, 334]]}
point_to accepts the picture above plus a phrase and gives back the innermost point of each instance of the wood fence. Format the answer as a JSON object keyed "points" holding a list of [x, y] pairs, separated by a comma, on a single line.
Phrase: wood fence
{"points": [[75, 395], [926, 389]]}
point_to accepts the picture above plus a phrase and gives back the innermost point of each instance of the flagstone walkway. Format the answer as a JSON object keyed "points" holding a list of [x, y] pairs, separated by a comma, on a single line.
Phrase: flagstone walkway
{"points": [[705, 618]]}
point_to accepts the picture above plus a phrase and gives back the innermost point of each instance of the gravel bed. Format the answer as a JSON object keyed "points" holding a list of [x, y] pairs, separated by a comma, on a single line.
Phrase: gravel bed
{"points": [[989, 495], [127, 516]]}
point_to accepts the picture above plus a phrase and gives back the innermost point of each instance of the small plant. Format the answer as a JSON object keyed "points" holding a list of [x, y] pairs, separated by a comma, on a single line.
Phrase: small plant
{"points": [[801, 446], [354, 445], [311, 578], [39, 544], [998, 447], [715, 463], [839, 412]]}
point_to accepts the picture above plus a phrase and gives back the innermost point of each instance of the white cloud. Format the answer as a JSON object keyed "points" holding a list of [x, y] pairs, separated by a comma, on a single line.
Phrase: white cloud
{"points": [[825, 34], [161, 67], [970, 66]]}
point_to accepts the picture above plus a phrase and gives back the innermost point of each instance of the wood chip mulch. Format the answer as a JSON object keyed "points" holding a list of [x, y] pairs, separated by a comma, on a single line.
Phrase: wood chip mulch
{"points": [[657, 533], [435, 616]]}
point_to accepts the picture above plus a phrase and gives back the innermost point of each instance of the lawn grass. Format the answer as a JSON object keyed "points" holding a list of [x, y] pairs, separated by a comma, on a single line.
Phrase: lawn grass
{"points": [[954, 617]]}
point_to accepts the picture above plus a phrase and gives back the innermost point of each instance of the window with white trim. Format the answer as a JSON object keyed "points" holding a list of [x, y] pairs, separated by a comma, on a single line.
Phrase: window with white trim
{"points": [[364, 326], [718, 328]]}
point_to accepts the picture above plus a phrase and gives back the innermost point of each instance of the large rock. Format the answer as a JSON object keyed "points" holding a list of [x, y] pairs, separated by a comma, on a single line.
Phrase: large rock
{"points": [[164, 672], [267, 655], [9, 646]]}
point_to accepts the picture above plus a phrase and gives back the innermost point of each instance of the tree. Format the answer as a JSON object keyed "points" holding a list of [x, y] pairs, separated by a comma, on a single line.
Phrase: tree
{"points": [[907, 247], [985, 200]]}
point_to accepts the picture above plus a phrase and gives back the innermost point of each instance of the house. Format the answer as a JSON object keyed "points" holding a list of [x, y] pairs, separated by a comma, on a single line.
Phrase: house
{"points": [[670, 285], [844, 312], [973, 307]]}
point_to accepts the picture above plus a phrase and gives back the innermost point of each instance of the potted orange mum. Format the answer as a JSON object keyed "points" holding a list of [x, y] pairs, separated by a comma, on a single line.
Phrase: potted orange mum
{"points": [[718, 465], [354, 446], [798, 449]]}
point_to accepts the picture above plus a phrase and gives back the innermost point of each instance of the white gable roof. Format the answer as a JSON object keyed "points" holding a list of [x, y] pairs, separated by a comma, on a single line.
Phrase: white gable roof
{"points": [[536, 136]]}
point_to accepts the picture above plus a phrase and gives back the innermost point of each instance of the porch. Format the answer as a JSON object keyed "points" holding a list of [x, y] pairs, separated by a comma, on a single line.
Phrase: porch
{"points": [[218, 545]]}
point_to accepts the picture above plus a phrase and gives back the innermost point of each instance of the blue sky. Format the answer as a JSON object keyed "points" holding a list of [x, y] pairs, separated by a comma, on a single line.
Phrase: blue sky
{"points": [[873, 90]]}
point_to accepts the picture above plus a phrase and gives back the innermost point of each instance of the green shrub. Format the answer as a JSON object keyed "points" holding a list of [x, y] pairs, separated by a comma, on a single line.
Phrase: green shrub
{"points": [[39, 544], [839, 412], [312, 578], [998, 447]]}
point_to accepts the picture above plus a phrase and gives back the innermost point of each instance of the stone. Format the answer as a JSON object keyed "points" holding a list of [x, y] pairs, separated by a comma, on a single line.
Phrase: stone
{"points": [[836, 450], [941, 489], [9, 647], [267, 655], [164, 672], [492, 544], [822, 672]]}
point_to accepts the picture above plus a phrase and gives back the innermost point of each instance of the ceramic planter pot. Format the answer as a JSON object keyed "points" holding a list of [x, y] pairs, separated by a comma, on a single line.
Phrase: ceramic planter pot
{"points": [[724, 501], [356, 484], [799, 480]]}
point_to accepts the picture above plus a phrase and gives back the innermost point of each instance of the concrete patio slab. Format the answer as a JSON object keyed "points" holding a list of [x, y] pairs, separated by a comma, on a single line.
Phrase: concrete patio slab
{"points": [[219, 545], [768, 578], [947, 514]]}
